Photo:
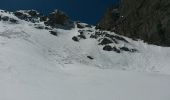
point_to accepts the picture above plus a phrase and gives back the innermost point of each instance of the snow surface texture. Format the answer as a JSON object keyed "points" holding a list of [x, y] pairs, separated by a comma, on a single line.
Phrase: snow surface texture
{"points": [[36, 65]]}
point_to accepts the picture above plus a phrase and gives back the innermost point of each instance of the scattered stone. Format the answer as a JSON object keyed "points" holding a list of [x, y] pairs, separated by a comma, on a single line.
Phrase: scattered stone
{"points": [[28, 15], [33, 13], [18, 14], [81, 31], [43, 18], [90, 57], [48, 28], [39, 27], [21, 16], [98, 33], [116, 50], [53, 33], [14, 21], [5, 18], [93, 36], [133, 50], [82, 36], [75, 38], [89, 30], [125, 49]]}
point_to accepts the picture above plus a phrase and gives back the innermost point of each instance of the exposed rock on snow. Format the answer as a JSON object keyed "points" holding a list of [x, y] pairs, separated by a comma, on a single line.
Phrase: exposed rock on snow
{"points": [[148, 20]]}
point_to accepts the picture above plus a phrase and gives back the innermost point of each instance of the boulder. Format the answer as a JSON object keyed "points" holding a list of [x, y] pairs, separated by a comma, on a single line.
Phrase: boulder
{"points": [[107, 48], [80, 26], [53, 33], [105, 41], [90, 57], [125, 49], [75, 38]]}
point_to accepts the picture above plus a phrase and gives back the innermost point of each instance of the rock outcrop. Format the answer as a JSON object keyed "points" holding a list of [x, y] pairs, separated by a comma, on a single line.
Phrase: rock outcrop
{"points": [[148, 20], [56, 19]]}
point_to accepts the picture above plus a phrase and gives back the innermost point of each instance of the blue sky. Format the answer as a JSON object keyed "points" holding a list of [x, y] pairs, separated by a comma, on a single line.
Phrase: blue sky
{"points": [[89, 11]]}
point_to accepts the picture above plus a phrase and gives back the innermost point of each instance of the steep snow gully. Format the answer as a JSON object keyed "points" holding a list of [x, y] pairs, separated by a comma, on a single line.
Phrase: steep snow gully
{"points": [[40, 62]]}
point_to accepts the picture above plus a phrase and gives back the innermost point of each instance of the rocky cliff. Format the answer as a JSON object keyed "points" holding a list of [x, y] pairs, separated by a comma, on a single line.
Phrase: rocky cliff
{"points": [[148, 20]]}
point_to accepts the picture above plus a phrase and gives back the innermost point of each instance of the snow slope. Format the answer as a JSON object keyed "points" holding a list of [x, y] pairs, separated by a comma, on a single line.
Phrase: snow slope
{"points": [[35, 65]]}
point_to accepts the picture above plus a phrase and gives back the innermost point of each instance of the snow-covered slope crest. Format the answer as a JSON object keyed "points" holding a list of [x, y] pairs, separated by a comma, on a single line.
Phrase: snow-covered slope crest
{"points": [[40, 62]]}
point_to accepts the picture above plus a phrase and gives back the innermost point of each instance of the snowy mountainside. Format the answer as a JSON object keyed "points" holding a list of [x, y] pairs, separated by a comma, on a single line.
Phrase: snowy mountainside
{"points": [[40, 62], [106, 49]]}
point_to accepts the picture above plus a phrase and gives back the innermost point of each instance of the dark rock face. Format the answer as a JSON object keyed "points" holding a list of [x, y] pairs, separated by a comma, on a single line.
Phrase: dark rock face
{"points": [[148, 20], [57, 18], [108, 22]]}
